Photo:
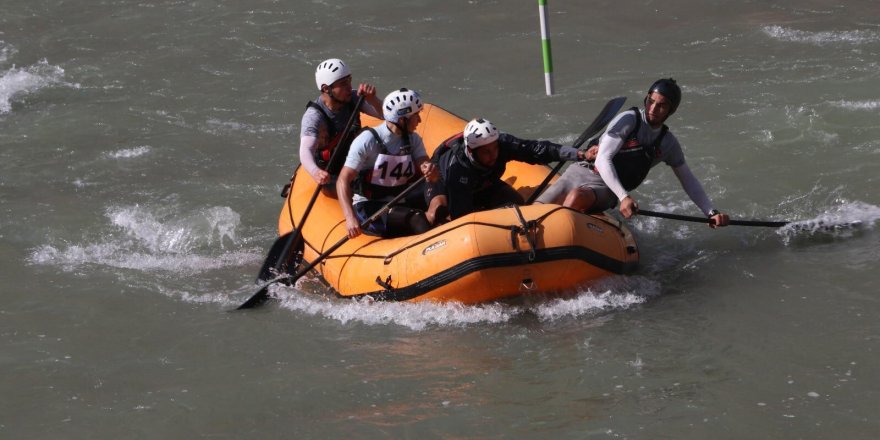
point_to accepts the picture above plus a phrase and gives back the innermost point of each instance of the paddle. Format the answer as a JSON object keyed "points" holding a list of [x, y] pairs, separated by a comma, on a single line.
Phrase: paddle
{"points": [[608, 112], [263, 294], [687, 218], [280, 254], [800, 226]]}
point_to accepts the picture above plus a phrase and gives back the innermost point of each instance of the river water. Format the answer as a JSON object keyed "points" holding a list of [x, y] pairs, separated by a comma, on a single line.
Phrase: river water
{"points": [[143, 145]]}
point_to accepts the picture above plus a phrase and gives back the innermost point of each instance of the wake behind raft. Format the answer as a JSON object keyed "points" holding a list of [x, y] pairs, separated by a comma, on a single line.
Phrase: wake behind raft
{"points": [[480, 257]]}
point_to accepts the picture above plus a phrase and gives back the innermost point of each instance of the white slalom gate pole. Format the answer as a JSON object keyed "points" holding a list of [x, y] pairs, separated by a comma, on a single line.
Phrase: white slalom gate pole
{"points": [[545, 48]]}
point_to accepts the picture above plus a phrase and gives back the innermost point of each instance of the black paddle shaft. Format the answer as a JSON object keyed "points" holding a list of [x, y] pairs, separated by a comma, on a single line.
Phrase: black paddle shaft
{"points": [[687, 218], [295, 237]]}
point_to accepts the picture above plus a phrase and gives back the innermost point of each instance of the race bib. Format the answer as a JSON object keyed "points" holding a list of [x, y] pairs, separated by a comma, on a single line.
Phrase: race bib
{"points": [[392, 170]]}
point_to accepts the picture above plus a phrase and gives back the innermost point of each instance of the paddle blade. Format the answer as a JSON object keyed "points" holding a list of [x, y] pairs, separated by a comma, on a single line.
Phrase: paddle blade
{"points": [[602, 119], [272, 267], [272, 257], [256, 299]]}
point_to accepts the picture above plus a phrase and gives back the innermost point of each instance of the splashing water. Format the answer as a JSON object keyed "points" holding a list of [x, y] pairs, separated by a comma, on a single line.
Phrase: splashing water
{"points": [[176, 236], [129, 153], [415, 316], [118, 255], [150, 240], [621, 293], [841, 221], [23, 81]]}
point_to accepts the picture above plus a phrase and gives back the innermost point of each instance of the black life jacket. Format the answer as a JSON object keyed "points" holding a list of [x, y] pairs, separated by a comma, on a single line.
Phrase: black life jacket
{"points": [[390, 175], [447, 145], [335, 136], [478, 175], [633, 162]]}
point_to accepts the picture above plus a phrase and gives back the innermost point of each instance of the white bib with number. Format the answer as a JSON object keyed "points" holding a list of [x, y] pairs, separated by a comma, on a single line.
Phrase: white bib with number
{"points": [[391, 170]]}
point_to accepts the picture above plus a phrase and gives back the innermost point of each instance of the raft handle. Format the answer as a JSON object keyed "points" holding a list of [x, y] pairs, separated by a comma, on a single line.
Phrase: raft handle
{"points": [[286, 190], [385, 284], [528, 229]]}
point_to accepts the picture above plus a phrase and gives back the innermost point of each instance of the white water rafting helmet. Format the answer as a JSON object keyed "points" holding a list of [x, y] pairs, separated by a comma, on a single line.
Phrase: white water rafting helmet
{"points": [[479, 132], [401, 103], [330, 71]]}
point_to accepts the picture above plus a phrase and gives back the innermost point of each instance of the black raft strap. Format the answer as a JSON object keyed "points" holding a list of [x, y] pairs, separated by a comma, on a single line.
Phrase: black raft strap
{"points": [[385, 284], [526, 228]]}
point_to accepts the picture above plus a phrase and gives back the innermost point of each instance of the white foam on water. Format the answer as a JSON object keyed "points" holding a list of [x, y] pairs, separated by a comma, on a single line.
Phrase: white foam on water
{"points": [[857, 105], [6, 50], [415, 316], [586, 303], [613, 293], [129, 153], [821, 38], [155, 239], [646, 225], [208, 297], [18, 81], [713, 41], [420, 315], [118, 255], [162, 233], [839, 221], [220, 128]]}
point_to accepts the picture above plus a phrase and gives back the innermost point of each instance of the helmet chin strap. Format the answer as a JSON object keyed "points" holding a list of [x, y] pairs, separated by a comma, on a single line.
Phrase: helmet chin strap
{"points": [[473, 159], [334, 98], [404, 132]]}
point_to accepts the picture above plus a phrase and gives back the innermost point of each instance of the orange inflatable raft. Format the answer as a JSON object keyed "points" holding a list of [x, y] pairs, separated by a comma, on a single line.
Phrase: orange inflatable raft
{"points": [[476, 258]]}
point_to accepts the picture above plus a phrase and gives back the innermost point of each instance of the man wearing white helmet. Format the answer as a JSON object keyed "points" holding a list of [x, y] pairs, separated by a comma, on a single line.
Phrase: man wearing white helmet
{"points": [[635, 141], [471, 164], [325, 119], [382, 162]]}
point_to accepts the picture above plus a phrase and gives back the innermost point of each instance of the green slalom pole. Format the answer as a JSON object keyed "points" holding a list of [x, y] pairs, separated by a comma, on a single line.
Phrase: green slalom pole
{"points": [[545, 48]]}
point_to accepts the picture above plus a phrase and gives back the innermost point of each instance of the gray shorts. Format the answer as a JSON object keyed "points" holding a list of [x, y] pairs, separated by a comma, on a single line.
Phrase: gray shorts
{"points": [[579, 176]]}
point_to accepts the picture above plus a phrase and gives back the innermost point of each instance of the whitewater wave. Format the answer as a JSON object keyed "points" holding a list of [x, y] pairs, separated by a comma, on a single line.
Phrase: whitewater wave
{"points": [[857, 37], [129, 153], [857, 105], [150, 240], [614, 293], [18, 81]]}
